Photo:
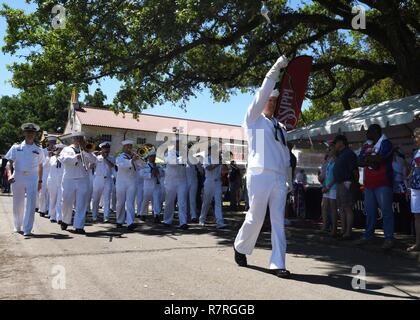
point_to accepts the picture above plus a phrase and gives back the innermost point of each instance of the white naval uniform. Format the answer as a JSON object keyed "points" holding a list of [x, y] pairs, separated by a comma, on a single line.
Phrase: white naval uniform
{"points": [[212, 188], [151, 190], [90, 189], [126, 188], [54, 181], [43, 193], [268, 162], [175, 188], [75, 186], [140, 188], [102, 186], [192, 186], [26, 159]]}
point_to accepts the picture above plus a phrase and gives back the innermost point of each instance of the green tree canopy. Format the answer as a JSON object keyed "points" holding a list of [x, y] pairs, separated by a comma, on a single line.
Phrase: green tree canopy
{"points": [[168, 50], [47, 107]]}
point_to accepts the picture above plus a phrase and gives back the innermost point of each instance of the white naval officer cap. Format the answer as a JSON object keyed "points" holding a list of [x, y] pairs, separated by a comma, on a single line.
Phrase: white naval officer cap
{"points": [[29, 127], [125, 142], [77, 134], [51, 138], [60, 146], [275, 93], [105, 144]]}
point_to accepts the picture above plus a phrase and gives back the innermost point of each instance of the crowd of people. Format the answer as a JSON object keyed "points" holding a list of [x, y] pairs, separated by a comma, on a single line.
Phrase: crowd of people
{"points": [[387, 176]]}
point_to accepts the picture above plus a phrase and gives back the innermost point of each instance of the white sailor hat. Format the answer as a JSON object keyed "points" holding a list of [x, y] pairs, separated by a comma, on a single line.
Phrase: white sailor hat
{"points": [[77, 134], [275, 93], [52, 138], [151, 153], [125, 142], [29, 127], [105, 144], [60, 146]]}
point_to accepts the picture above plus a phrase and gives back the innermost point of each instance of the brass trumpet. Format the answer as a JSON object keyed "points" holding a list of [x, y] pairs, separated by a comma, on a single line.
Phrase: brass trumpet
{"points": [[143, 150]]}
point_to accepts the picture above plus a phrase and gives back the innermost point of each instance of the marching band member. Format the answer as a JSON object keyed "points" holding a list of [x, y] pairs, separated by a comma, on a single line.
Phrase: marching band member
{"points": [[212, 189], [102, 181], [192, 185], [75, 186], [152, 175], [127, 163], [175, 187], [54, 181], [140, 191], [27, 159], [43, 194], [268, 162]]}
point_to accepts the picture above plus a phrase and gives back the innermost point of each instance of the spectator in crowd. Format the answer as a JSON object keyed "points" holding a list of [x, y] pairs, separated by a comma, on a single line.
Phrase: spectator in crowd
{"points": [[324, 202], [329, 191], [235, 181], [400, 169], [415, 190], [376, 158], [346, 175], [293, 159], [300, 184]]}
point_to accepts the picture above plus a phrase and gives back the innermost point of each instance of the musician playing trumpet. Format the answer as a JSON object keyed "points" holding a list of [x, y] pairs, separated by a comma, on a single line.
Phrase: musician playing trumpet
{"points": [[102, 181], [128, 163], [75, 185]]}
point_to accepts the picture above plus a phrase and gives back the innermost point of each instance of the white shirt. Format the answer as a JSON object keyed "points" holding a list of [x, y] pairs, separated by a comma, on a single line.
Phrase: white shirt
{"points": [[175, 167], [264, 151], [146, 174], [73, 167], [26, 158], [102, 167], [56, 170], [126, 170], [216, 173], [46, 164]]}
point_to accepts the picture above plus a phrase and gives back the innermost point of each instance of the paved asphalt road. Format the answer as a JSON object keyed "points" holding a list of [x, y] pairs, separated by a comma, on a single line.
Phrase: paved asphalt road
{"points": [[159, 263]]}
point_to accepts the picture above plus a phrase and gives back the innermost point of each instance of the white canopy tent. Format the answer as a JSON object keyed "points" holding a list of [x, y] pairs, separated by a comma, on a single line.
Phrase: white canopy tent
{"points": [[398, 118]]}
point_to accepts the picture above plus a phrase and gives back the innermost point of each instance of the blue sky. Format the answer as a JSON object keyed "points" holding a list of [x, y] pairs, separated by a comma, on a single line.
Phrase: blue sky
{"points": [[201, 108]]}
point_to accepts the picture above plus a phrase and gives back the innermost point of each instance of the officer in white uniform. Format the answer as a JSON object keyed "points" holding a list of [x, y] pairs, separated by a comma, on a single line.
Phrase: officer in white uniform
{"points": [[54, 181], [212, 189], [26, 159], [75, 186], [192, 186], [127, 163], [44, 194], [102, 181], [152, 175], [268, 162], [175, 188]]}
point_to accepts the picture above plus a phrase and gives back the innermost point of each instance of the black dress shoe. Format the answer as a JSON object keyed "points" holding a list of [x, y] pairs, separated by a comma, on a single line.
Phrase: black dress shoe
{"points": [[184, 227], [282, 273], [119, 225], [36, 209], [53, 221], [41, 214], [60, 222], [166, 225], [80, 231], [131, 227], [240, 259], [194, 220], [64, 226], [157, 219], [143, 218]]}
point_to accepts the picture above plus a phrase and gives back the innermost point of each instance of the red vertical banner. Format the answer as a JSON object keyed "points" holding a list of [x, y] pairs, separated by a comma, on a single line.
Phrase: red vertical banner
{"points": [[292, 89]]}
